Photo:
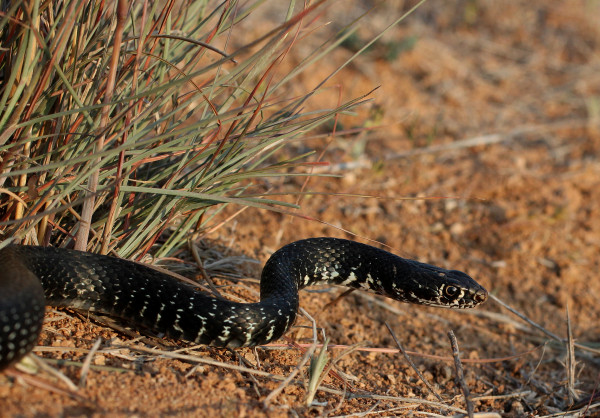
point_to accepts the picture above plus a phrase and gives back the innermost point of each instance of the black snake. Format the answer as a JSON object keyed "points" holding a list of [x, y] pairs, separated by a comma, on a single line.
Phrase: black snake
{"points": [[31, 277]]}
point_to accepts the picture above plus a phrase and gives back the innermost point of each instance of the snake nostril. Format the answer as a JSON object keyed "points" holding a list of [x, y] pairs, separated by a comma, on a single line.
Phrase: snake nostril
{"points": [[481, 296]]}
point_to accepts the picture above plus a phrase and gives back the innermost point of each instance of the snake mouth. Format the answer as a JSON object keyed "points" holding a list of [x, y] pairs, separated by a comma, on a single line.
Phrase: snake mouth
{"points": [[470, 299], [473, 299]]}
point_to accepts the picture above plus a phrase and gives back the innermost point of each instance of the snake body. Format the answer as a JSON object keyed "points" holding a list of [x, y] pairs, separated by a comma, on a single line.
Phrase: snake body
{"points": [[31, 277]]}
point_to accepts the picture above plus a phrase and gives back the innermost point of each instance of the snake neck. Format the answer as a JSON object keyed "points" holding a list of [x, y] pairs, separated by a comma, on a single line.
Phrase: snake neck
{"points": [[347, 263]]}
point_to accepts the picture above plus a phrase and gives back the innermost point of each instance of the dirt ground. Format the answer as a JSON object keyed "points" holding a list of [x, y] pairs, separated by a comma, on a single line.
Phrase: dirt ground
{"points": [[486, 160]]}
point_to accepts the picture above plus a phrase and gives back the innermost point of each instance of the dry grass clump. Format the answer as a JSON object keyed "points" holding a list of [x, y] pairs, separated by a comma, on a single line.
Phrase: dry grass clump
{"points": [[120, 123]]}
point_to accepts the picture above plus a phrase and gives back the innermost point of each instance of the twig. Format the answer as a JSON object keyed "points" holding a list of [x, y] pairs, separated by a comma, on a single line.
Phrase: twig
{"points": [[49, 386], [54, 372], [593, 396], [88, 361], [577, 413], [524, 318], [290, 377], [199, 359], [521, 394], [460, 144], [397, 399], [299, 366], [243, 362], [338, 298], [570, 362], [414, 367], [200, 266], [412, 353], [460, 375], [88, 205], [314, 325], [522, 327]]}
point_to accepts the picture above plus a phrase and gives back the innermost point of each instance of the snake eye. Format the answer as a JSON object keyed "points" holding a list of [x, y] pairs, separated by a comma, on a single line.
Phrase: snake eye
{"points": [[451, 291]]}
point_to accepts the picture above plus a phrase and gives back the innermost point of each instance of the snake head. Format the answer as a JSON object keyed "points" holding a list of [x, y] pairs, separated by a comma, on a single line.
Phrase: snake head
{"points": [[460, 291], [452, 289], [434, 286]]}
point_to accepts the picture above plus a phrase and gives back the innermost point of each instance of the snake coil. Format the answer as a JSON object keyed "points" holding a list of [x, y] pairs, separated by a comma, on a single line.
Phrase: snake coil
{"points": [[31, 277]]}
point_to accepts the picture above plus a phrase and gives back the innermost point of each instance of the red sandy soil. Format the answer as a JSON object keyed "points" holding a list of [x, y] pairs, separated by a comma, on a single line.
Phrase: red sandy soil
{"points": [[517, 208]]}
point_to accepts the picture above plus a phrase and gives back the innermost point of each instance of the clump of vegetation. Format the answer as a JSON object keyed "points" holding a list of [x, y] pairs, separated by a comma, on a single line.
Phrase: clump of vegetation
{"points": [[119, 121]]}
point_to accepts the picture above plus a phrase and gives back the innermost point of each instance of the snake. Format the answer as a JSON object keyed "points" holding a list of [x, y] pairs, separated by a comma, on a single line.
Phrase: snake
{"points": [[32, 277]]}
